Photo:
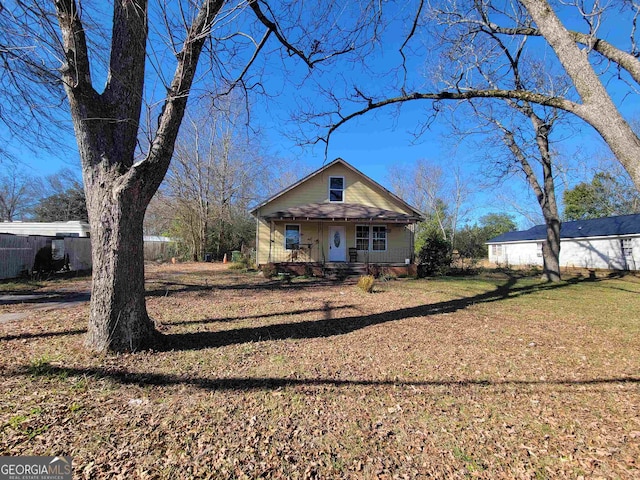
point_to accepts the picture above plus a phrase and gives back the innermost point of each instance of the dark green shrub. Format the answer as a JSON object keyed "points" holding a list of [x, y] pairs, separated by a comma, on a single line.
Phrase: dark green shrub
{"points": [[434, 257]]}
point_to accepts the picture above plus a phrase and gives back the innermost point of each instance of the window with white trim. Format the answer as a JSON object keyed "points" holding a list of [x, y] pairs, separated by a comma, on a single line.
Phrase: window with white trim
{"points": [[627, 247], [291, 237], [336, 189], [371, 238], [362, 237], [379, 238], [539, 246], [496, 250]]}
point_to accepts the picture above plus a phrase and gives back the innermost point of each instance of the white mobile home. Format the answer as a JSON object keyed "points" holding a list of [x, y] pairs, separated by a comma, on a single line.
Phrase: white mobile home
{"points": [[73, 228], [610, 243]]}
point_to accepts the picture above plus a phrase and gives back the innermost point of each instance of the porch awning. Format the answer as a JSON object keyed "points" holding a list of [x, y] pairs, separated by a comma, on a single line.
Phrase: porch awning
{"points": [[341, 211]]}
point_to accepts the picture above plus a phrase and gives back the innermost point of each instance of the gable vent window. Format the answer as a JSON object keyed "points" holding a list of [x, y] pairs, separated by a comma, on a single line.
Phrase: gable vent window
{"points": [[336, 189]]}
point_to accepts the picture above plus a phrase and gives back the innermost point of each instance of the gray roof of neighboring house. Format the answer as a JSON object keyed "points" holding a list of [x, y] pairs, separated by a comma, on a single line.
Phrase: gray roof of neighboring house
{"points": [[341, 211], [597, 227]]}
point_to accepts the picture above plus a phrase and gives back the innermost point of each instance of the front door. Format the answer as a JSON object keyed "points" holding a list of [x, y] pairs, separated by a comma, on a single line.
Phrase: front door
{"points": [[337, 244]]}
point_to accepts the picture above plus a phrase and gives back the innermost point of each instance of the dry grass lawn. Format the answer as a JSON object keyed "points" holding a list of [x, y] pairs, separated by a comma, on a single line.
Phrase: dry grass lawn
{"points": [[488, 377]]}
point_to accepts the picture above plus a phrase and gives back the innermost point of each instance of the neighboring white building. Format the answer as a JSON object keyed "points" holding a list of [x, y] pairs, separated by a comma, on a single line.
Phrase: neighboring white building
{"points": [[73, 228], [610, 243]]}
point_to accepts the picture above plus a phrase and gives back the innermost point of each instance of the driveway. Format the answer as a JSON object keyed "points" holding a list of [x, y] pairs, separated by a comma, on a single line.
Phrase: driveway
{"points": [[34, 302]]}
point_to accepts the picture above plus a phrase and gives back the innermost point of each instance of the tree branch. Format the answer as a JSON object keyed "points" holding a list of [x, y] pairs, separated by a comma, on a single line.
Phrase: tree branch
{"points": [[77, 71], [414, 26], [557, 102], [154, 167], [274, 28], [259, 48], [125, 80], [625, 60]]}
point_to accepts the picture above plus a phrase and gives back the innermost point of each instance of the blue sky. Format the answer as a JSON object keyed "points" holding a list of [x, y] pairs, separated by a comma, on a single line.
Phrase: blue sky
{"points": [[371, 143]]}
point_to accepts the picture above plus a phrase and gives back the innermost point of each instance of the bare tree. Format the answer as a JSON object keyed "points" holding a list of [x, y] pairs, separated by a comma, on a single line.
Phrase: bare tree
{"points": [[217, 166], [19, 192], [545, 190], [442, 195], [123, 164], [528, 142], [589, 61]]}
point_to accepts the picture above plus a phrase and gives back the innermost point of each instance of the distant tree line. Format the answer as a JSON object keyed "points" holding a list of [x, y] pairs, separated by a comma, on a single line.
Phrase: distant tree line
{"points": [[218, 171], [58, 197], [435, 253], [606, 195]]}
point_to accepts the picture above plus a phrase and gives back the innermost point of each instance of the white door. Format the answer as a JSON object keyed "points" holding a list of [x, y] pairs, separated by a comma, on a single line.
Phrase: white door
{"points": [[337, 244]]}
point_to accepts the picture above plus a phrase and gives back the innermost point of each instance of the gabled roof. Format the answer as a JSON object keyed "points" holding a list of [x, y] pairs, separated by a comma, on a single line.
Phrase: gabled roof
{"points": [[341, 211], [418, 214], [597, 227]]}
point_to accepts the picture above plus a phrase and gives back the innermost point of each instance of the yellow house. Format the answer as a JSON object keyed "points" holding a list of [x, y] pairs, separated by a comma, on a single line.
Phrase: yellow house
{"points": [[335, 215]]}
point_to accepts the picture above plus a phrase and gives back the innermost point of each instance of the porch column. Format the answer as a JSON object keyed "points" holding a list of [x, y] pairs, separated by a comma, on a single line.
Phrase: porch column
{"points": [[271, 227], [412, 242]]}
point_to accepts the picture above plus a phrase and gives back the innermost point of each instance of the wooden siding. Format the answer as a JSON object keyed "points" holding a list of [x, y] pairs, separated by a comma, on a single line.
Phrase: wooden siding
{"points": [[316, 190]]}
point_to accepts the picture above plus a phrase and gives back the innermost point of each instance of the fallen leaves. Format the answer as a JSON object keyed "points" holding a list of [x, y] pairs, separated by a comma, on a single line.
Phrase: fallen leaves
{"points": [[314, 380]]}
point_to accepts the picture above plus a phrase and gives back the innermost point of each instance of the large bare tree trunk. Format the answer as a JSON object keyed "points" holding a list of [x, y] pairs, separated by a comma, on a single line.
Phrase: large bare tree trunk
{"points": [[545, 194], [551, 251], [597, 108], [118, 189], [118, 317]]}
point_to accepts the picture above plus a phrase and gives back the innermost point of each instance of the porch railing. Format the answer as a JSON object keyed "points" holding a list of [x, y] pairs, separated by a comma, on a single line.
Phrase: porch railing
{"points": [[313, 253]]}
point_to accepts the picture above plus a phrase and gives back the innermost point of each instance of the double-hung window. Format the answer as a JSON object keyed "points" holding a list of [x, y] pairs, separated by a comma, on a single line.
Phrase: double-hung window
{"points": [[379, 238], [362, 237], [373, 238], [336, 189], [292, 237]]}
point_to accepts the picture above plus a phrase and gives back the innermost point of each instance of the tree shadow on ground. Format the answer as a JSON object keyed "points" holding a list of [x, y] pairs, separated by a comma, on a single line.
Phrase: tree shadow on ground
{"points": [[126, 377], [28, 335], [330, 326], [170, 288], [326, 327], [262, 315]]}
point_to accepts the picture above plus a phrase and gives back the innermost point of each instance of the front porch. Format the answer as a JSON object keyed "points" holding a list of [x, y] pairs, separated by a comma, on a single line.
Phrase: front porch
{"points": [[315, 253], [315, 238], [336, 242]]}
